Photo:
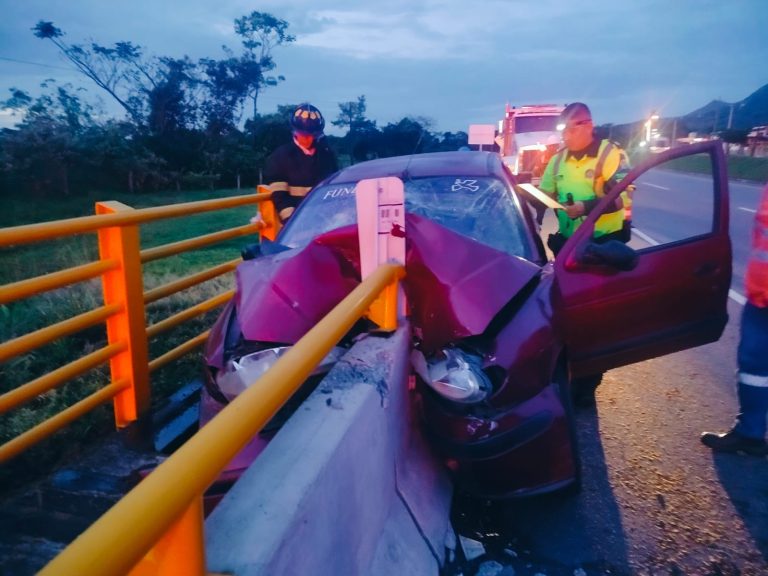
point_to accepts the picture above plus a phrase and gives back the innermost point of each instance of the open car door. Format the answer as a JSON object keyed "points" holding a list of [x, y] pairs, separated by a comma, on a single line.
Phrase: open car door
{"points": [[675, 294]]}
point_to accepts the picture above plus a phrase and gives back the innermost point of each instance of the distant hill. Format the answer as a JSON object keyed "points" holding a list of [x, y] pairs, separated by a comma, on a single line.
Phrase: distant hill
{"points": [[752, 111]]}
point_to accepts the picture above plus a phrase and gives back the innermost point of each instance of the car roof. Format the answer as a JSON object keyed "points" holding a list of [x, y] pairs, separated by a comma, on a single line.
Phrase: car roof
{"points": [[460, 163]]}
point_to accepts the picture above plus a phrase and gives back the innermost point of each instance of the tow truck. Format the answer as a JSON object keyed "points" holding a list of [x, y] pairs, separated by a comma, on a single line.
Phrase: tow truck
{"points": [[528, 139]]}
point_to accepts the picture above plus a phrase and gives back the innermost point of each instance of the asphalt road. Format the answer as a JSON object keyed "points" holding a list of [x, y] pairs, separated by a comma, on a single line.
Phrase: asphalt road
{"points": [[668, 206], [654, 500]]}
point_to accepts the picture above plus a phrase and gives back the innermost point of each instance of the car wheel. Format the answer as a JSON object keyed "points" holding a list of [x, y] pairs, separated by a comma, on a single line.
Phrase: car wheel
{"points": [[565, 394]]}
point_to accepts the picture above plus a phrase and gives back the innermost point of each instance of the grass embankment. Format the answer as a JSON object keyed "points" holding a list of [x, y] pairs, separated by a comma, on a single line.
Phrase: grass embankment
{"points": [[739, 167], [22, 317]]}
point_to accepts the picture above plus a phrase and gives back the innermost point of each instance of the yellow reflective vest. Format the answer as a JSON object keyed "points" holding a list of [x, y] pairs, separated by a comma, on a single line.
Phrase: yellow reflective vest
{"points": [[571, 179]]}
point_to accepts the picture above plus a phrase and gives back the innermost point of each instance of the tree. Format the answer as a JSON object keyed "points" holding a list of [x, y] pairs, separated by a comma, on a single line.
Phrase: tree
{"points": [[170, 106], [453, 141], [154, 92], [260, 32], [226, 91], [362, 139], [267, 132], [409, 136], [109, 68], [351, 114], [117, 157], [42, 152]]}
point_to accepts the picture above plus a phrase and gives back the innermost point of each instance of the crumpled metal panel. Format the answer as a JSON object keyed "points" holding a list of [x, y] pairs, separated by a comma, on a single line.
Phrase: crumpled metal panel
{"points": [[454, 285], [280, 297]]}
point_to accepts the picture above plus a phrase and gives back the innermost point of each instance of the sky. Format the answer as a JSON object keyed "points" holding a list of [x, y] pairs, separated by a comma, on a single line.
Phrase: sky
{"points": [[453, 62]]}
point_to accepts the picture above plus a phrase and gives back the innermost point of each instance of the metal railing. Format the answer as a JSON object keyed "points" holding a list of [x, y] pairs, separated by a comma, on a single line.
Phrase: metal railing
{"points": [[168, 504], [166, 508], [123, 311]]}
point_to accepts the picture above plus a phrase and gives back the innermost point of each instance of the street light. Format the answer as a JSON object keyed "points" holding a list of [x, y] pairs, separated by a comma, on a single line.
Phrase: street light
{"points": [[649, 125]]}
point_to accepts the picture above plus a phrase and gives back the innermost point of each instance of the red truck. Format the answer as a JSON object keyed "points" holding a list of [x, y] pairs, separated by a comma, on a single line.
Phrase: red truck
{"points": [[528, 139]]}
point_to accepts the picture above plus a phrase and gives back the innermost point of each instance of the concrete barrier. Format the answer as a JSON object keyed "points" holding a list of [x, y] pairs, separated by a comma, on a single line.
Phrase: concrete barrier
{"points": [[348, 485]]}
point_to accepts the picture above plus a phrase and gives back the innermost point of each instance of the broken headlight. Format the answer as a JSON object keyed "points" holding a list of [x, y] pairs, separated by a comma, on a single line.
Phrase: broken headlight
{"points": [[239, 373], [454, 374]]}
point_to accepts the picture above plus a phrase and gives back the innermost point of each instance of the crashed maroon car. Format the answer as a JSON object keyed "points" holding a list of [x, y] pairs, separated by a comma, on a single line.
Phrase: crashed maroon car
{"points": [[501, 334]]}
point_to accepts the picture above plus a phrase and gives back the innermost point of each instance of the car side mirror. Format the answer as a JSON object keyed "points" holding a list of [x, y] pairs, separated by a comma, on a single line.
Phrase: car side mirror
{"points": [[264, 248], [611, 253], [251, 251]]}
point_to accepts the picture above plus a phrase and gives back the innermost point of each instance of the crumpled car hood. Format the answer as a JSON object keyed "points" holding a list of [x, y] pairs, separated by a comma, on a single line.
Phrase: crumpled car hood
{"points": [[454, 285]]}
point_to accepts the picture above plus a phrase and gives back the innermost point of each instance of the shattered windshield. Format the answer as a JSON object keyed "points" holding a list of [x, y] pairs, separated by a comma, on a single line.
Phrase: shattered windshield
{"points": [[481, 208]]}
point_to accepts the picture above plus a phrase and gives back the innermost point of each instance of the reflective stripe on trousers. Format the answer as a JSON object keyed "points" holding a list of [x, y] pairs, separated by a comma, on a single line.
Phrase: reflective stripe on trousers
{"points": [[753, 372]]}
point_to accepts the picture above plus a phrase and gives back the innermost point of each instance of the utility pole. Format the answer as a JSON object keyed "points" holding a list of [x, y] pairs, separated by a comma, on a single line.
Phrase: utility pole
{"points": [[730, 118]]}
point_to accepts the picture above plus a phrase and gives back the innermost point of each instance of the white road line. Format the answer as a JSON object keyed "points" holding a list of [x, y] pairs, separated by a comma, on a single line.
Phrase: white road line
{"points": [[644, 237], [747, 209], [654, 186], [732, 294]]}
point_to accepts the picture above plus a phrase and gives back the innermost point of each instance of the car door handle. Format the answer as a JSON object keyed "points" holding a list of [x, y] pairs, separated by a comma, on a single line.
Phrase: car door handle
{"points": [[706, 269]]}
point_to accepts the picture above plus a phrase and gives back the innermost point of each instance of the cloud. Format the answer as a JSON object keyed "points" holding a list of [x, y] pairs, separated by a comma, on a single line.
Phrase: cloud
{"points": [[9, 117], [363, 35], [447, 31], [454, 60]]}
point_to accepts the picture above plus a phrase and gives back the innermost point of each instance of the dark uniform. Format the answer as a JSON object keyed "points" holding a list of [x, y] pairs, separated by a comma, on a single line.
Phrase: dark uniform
{"points": [[291, 173]]}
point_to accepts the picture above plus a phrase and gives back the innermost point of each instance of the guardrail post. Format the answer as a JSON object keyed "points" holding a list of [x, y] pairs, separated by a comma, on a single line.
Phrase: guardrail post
{"points": [[381, 232], [125, 286], [181, 550], [268, 215]]}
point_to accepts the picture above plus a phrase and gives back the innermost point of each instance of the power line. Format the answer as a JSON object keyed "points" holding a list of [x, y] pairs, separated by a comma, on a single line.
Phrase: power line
{"points": [[34, 63]]}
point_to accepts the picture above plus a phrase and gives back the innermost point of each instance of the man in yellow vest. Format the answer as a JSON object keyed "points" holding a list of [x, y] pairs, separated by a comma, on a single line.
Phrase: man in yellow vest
{"points": [[580, 174]]}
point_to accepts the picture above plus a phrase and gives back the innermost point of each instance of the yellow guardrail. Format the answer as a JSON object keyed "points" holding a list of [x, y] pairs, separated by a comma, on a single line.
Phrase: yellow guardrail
{"points": [[165, 510], [124, 300], [157, 528]]}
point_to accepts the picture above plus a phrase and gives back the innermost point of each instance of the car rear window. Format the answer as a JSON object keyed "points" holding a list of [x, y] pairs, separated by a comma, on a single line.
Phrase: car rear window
{"points": [[481, 208]]}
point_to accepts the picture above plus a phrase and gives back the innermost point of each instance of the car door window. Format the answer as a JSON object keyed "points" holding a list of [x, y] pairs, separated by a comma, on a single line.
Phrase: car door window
{"points": [[674, 295], [672, 202]]}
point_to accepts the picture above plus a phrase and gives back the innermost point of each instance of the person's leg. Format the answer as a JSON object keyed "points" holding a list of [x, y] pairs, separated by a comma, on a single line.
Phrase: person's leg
{"points": [[748, 433], [753, 372]]}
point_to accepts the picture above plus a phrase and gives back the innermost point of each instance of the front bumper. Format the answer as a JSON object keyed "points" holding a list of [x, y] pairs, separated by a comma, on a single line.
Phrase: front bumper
{"points": [[517, 451]]}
